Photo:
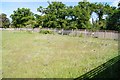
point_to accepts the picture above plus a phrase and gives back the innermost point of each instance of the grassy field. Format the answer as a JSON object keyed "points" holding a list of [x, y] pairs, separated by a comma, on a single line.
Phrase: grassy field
{"points": [[0, 54], [35, 55]]}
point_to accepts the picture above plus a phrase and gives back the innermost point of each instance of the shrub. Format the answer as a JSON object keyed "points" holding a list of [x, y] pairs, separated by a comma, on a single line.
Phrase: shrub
{"points": [[40, 27], [80, 35], [46, 32], [30, 32]]}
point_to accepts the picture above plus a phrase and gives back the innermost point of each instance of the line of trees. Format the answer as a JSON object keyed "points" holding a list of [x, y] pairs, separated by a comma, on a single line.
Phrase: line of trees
{"points": [[58, 15]]}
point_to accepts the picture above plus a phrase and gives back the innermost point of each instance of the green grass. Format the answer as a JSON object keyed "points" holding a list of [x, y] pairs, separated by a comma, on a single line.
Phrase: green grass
{"points": [[0, 54], [35, 55]]}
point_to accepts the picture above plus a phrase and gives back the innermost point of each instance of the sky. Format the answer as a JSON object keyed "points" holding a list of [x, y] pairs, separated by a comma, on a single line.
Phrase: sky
{"points": [[8, 6], [56, 0]]}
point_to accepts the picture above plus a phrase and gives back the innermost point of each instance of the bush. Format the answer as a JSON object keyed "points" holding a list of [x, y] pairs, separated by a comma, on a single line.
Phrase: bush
{"points": [[40, 27], [80, 35], [46, 32], [30, 32]]}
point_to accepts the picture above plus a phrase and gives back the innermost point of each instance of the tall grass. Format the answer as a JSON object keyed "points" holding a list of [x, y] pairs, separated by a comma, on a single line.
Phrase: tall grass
{"points": [[35, 55], [0, 54]]}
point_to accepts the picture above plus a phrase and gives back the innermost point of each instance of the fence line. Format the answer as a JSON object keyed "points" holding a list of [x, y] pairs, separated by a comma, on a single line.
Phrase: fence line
{"points": [[104, 34]]}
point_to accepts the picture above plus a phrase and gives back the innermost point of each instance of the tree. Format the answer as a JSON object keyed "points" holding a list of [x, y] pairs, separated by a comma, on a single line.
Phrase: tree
{"points": [[58, 15], [119, 5], [54, 15], [101, 10], [4, 21], [113, 22], [21, 16], [82, 15], [30, 24]]}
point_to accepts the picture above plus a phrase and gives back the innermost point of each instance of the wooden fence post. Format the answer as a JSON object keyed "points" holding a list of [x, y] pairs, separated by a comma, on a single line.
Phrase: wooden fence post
{"points": [[112, 35], [105, 35], [85, 32], [72, 30], [62, 31], [54, 30]]}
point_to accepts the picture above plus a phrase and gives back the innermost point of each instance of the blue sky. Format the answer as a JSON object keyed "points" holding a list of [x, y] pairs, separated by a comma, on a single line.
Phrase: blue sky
{"points": [[56, 0], [7, 6], [10, 6]]}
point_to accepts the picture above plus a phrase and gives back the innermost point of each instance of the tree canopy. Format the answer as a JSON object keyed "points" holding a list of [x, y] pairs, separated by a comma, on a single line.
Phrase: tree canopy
{"points": [[113, 22], [21, 16], [58, 15], [4, 21]]}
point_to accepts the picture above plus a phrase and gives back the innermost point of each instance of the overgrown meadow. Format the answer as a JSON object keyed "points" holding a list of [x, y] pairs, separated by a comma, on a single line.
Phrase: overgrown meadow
{"points": [[0, 54], [35, 55]]}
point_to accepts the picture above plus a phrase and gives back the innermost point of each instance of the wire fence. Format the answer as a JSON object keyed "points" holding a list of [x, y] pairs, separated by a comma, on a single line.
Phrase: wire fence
{"points": [[104, 34]]}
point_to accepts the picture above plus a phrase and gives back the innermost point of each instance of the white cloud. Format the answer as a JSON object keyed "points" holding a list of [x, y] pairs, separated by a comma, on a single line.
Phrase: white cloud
{"points": [[115, 3]]}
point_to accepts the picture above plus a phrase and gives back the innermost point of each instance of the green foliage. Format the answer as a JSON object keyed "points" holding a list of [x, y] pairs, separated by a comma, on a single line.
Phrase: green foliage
{"points": [[98, 25], [46, 32], [30, 23], [21, 17], [54, 15], [30, 32], [113, 22], [73, 25], [58, 15], [40, 27], [4, 21], [81, 35]]}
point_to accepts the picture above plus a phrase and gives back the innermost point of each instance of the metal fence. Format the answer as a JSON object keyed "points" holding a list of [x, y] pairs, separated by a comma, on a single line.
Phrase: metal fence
{"points": [[104, 34]]}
